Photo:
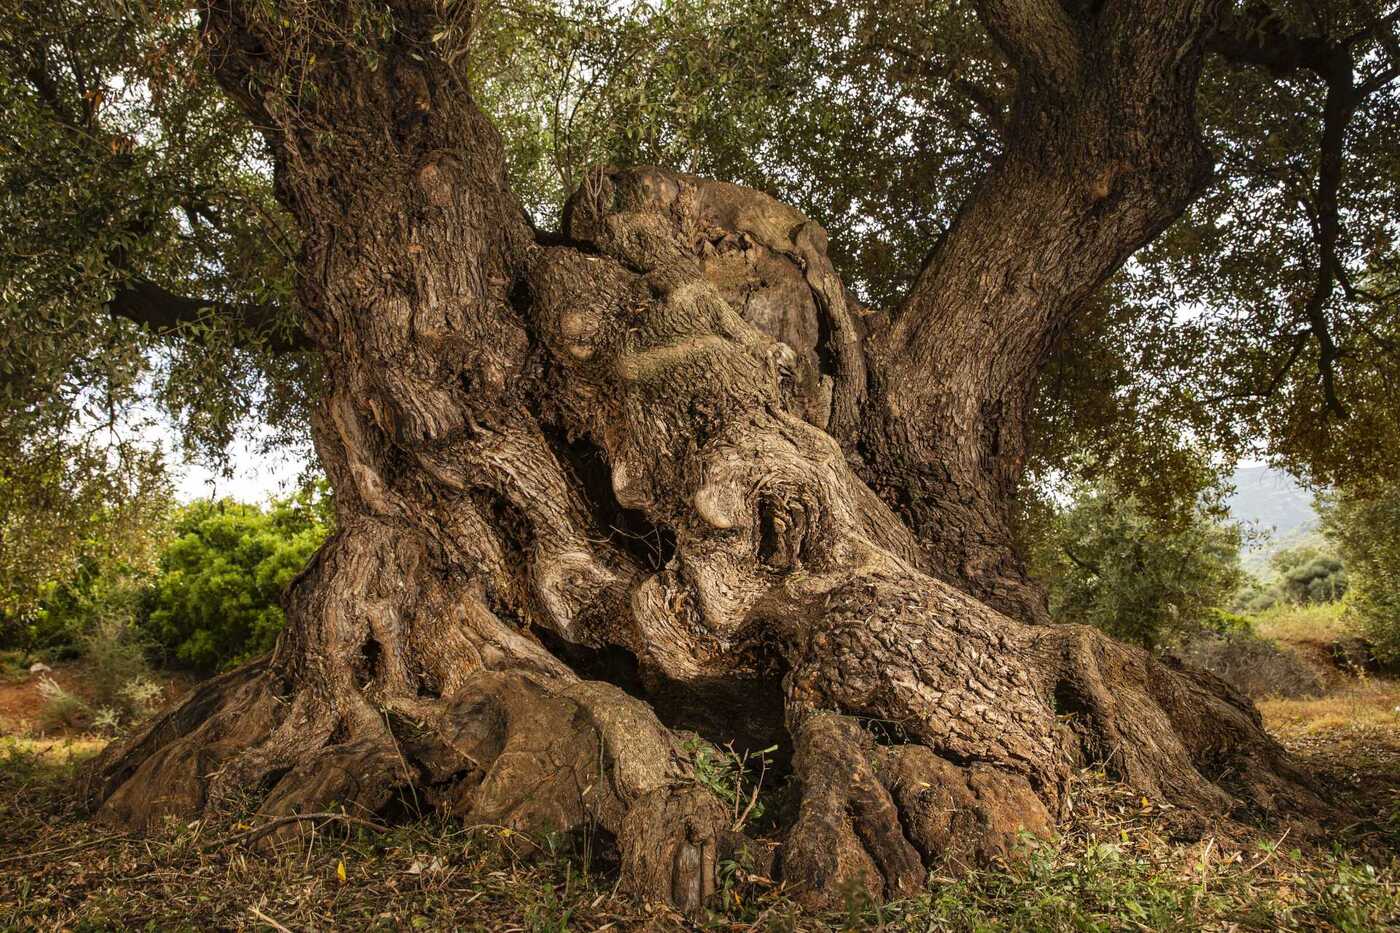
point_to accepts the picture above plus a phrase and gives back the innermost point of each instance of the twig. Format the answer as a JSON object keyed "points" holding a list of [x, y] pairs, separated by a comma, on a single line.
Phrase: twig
{"points": [[268, 920], [1257, 865], [73, 848], [753, 798], [260, 831]]}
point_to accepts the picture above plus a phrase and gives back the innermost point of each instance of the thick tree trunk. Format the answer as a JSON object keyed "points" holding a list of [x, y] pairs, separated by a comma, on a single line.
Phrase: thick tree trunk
{"points": [[588, 494]]}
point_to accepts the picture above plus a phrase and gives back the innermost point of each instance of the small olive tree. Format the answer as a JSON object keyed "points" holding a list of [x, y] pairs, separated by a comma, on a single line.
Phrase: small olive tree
{"points": [[1365, 524], [1154, 580]]}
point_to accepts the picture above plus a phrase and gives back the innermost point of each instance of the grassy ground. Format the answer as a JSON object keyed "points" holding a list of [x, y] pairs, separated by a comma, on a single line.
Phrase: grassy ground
{"points": [[1322, 623], [1121, 862]]}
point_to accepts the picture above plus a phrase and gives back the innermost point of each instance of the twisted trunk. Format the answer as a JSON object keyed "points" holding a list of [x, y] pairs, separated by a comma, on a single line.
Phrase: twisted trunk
{"points": [[590, 493]]}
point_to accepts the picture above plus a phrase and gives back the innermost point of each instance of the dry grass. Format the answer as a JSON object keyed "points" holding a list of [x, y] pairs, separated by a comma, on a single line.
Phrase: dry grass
{"points": [[1119, 864], [1323, 623], [1365, 705]]}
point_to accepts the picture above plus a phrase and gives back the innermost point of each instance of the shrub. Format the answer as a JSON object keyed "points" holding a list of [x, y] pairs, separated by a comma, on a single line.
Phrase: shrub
{"points": [[1309, 574], [61, 709], [215, 600], [1365, 524], [115, 657], [1252, 665], [1107, 562]]}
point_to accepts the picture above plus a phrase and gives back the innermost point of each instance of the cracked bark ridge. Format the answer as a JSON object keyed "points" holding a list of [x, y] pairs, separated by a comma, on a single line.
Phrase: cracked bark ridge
{"points": [[505, 418]]}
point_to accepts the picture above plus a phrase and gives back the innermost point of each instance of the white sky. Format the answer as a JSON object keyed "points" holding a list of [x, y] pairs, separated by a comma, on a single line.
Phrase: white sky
{"points": [[255, 476]]}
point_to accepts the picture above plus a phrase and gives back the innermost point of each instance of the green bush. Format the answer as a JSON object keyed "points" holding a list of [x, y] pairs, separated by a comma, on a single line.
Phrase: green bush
{"points": [[1310, 575], [215, 601], [1154, 581], [69, 610], [1365, 524]]}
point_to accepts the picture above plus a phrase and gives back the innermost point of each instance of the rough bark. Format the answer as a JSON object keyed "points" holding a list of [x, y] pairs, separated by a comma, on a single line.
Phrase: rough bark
{"points": [[1102, 151], [610, 461]]}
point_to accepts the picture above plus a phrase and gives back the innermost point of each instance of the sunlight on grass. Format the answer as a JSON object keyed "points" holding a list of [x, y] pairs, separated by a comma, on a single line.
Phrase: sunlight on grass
{"points": [[53, 751], [1368, 702], [1323, 622]]}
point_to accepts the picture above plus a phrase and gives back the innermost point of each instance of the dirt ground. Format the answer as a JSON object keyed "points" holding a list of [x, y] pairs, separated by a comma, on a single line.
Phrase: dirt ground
{"points": [[22, 700]]}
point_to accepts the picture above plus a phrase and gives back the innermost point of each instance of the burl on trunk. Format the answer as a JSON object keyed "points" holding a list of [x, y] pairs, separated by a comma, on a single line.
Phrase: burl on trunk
{"points": [[597, 489]]}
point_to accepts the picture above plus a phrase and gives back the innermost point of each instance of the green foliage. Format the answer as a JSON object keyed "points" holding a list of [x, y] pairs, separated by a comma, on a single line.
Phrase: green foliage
{"points": [[1364, 521], [730, 776], [877, 119], [122, 161], [216, 599], [1308, 574], [68, 523], [118, 677], [1108, 562]]}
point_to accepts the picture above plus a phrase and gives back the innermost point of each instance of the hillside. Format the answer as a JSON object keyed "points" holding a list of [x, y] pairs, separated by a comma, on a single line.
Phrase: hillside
{"points": [[1271, 502]]}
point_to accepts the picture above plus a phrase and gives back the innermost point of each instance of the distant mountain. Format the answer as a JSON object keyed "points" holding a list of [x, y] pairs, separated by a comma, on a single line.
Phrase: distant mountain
{"points": [[1270, 500]]}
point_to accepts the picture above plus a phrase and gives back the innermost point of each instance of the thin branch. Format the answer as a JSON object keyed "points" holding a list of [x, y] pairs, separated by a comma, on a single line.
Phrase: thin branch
{"points": [[257, 832], [100, 840]]}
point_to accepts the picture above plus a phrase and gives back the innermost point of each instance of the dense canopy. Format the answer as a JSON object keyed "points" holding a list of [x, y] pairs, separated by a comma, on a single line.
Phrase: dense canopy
{"points": [[138, 204]]}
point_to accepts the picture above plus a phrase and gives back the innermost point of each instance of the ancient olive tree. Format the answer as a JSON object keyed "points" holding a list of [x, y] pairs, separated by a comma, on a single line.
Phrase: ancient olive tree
{"points": [[660, 471]]}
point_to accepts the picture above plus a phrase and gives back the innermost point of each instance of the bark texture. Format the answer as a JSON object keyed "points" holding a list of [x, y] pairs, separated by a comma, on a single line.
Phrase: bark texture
{"points": [[1101, 152], [597, 490]]}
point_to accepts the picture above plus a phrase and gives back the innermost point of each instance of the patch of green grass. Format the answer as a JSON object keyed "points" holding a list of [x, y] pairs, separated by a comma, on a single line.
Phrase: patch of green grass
{"points": [[1113, 868]]}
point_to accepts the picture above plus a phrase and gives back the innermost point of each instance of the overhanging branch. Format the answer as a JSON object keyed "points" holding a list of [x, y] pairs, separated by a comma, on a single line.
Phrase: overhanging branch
{"points": [[167, 313]]}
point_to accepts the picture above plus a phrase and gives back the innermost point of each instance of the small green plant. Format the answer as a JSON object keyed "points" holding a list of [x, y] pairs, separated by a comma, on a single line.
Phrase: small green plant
{"points": [[729, 775], [141, 696], [61, 709], [106, 720]]}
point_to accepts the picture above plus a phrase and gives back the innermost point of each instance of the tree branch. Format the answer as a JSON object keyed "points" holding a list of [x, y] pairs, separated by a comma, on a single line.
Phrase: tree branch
{"points": [[1038, 37], [166, 313], [1259, 38]]}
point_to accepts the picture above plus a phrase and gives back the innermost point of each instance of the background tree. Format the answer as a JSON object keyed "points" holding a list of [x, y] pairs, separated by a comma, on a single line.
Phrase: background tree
{"points": [[1308, 574], [1108, 563], [667, 432], [1364, 521], [76, 516], [215, 601]]}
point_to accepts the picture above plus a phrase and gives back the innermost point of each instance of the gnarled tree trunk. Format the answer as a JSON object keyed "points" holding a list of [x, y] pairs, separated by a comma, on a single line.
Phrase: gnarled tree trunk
{"points": [[598, 488]]}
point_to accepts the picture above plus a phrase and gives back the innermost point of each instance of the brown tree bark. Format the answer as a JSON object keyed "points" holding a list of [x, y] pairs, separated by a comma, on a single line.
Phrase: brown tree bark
{"points": [[1102, 152], [591, 491]]}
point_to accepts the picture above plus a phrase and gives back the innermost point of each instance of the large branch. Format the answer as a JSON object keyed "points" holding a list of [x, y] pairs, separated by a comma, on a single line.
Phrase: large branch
{"points": [[168, 313], [1038, 36], [1102, 152]]}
